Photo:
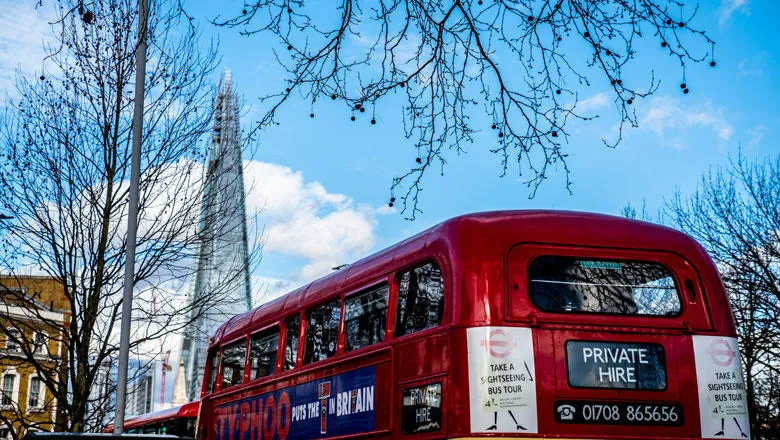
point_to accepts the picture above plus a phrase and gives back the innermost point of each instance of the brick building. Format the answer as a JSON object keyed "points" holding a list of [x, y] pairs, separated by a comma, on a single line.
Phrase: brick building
{"points": [[33, 312]]}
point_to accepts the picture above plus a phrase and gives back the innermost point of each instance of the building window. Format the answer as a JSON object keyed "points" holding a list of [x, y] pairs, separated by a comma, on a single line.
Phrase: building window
{"points": [[420, 299], [39, 343], [233, 363], [5, 433], [143, 395], [8, 390], [35, 393], [13, 340], [293, 326], [262, 354], [322, 333], [365, 316]]}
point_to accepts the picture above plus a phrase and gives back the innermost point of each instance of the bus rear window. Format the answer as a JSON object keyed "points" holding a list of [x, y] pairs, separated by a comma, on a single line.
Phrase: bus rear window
{"points": [[570, 284]]}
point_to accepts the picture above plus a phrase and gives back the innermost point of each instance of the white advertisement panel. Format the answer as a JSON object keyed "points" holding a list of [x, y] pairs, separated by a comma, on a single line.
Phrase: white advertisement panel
{"points": [[722, 400], [501, 380]]}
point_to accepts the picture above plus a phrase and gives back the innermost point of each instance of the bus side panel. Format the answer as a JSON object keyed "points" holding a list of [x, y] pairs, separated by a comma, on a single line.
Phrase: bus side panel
{"points": [[546, 374], [422, 356], [423, 360], [459, 398]]}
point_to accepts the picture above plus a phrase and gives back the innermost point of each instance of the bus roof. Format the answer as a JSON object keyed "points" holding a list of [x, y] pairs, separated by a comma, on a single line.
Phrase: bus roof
{"points": [[187, 410], [469, 232]]}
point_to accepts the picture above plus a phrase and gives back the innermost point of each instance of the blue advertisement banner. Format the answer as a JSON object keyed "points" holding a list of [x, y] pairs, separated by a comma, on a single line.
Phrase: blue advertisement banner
{"points": [[336, 405]]}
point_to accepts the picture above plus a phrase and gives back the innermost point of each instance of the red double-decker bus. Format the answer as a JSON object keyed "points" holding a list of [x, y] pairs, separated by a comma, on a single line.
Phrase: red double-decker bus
{"points": [[535, 324], [179, 421]]}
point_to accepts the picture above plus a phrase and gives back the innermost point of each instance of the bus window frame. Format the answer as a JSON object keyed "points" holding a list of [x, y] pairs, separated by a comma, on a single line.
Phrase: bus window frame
{"points": [[694, 316], [283, 341], [679, 288], [365, 288], [395, 292], [246, 361], [339, 329], [217, 351], [279, 351]]}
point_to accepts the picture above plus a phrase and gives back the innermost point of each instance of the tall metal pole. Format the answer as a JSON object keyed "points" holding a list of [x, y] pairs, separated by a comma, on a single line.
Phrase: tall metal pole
{"points": [[132, 216]]}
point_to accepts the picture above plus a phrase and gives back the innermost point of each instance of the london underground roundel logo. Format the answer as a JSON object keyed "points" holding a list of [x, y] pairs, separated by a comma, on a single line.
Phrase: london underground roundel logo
{"points": [[498, 344], [721, 352]]}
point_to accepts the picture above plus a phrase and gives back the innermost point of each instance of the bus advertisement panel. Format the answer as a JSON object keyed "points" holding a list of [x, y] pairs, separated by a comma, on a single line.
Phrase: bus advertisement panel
{"points": [[337, 405]]}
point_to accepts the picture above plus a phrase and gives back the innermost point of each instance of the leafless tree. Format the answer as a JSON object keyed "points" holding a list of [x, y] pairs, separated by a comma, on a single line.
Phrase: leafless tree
{"points": [[64, 169], [735, 215], [522, 63]]}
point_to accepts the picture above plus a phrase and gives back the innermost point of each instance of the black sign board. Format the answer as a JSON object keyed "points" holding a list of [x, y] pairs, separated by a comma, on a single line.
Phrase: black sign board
{"points": [[421, 410], [619, 413], [596, 364]]}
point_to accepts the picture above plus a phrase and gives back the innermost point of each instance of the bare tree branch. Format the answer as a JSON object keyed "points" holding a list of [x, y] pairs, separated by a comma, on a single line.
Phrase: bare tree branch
{"points": [[735, 214], [516, 61]]}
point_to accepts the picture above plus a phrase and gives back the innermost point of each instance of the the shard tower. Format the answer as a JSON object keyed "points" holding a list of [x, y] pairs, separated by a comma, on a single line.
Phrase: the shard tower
{"points": [[222, 281]]}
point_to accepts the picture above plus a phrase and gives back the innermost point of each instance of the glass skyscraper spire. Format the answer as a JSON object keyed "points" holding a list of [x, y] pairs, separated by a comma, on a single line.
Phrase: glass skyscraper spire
{"points": [[221, 287]]}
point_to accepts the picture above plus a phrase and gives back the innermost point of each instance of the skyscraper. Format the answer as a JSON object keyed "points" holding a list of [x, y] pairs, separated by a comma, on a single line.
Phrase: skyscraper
{"points": [[221, 287]]}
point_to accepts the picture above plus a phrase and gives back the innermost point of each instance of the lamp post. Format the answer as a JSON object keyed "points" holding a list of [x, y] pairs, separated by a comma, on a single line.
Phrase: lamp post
{"points": [[132, 217]]}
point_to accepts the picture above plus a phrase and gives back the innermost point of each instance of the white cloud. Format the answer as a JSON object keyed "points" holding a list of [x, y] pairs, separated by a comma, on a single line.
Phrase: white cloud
{"points": [[595, 102], [266, 289], [752, 66], [304, 220], [23, 30], [668, 118], [728, 8], [756, 135]]}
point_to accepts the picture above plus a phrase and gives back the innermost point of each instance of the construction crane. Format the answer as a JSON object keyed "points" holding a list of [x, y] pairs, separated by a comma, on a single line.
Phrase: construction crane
{"points": [[165, 367]]}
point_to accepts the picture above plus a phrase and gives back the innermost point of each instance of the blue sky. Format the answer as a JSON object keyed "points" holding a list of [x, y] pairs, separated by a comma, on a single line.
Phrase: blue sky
{"points": [[323, 183]]}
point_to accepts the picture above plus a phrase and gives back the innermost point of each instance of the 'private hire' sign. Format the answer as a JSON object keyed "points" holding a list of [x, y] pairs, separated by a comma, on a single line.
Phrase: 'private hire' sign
{"points": [[596, 364]]}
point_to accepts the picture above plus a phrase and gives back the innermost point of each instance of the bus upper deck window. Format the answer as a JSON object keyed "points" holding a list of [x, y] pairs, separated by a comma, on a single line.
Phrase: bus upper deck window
{"points": [[233, 362], [570, 284], [293, 326], [420, 299], [322, 331], [365, 315], [262, 353], [214, 356]]}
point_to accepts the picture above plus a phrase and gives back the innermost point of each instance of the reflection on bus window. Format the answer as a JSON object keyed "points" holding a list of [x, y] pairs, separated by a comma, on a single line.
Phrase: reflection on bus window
{"points": [[291, 343], [213, 370], [420, 299], [569, 284], [322, 332], [262, 353], [188, 430], [365, 316], [233, 360]]}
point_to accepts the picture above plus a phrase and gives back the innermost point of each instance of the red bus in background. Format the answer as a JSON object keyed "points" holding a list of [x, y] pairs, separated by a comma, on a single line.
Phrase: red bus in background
{"points": [[179, 421], [535, 324]]}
